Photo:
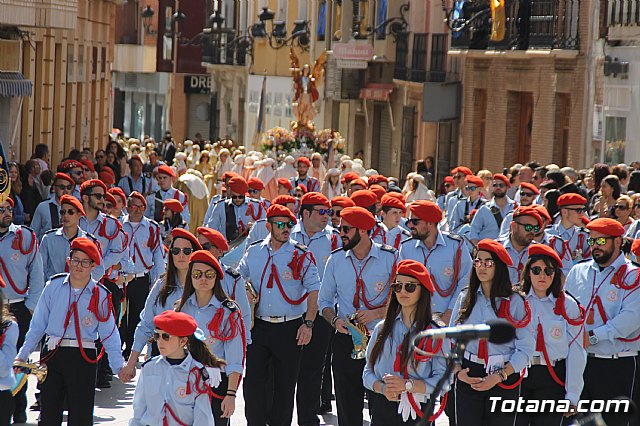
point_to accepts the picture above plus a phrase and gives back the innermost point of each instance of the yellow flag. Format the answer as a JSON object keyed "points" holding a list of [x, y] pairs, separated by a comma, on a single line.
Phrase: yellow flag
{"points": [[497, 20]]}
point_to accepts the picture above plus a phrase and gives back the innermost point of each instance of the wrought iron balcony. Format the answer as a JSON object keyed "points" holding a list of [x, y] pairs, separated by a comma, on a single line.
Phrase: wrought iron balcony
{"points": [[225, 48], [411, 63], [622, 12], [549, 24]]}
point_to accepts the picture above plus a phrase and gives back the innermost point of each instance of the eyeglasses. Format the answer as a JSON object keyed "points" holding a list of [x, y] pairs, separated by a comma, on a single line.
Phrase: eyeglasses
{"points": [[77, 262], [409, 287], [499, 185], [578, 210], [237, 197], [6, 209], [98, 195], [487, 263], [69, 212], [253, 191], [323, 212], [471, 188], [459, 176], [99, 157], [335, 213], [344, 228], [210, 274], [86, 170], [414, 221], [537, 270], [620, 207], [529, 228], [207, 246], [65, 187], [527, 194], [176, 251], [600, 241], [76, 173], [281, 225], [108, 206], [164, 336], [135, 207], [447, 185]]}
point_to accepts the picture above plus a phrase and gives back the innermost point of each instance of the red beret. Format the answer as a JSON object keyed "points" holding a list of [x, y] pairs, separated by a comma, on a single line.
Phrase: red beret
{"points": [[255, 183], [302, 187], [303, 160], [283, 200], [107, 177], [173, 205], [503, 178], [397, 195], [426, 210], [90, 184], [10, 201], [118, 192], [448, 179], [571, 199], [73, 202], [359, 182], [342, 201], [88, 247], [183, 233], [358, 217], [238, 185], [135, 157], [64, 176], [108, 169], [544, 250], [70, 164], [542, 211], [497, 249], [229, 175], [389, 201], [109, 198], [531, 187], [139, 196], [527, 211], [378, 190], [606, 226], [205, 256], [417, 270], [286, 183], [349, 176], [635, 247], [163, 169], [276, 210], [214, 237], [176, 323], [462, 169], [88, 164], [314, 199], [474, 180], [364, 198], [377, 179]]}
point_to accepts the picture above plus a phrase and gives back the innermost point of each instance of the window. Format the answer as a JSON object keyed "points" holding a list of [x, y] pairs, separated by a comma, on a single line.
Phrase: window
{"points": [[336, 22], [167, 39], [94, 63], [563, 121], [360, 18], [438, 52], [615, 135], [419, 59], [479, 127], [322, 20], [381, 16]]}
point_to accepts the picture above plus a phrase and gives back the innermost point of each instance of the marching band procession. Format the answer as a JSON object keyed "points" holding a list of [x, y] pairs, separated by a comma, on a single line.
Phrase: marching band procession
{"points": [[201, 271]]}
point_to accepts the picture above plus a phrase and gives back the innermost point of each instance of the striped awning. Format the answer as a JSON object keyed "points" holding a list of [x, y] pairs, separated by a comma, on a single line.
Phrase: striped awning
{"points": [[13, 83]]}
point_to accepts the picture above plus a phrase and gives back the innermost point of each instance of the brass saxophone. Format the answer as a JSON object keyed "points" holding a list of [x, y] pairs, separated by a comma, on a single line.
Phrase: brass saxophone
{"points": [[252, 295], [25, 368]]}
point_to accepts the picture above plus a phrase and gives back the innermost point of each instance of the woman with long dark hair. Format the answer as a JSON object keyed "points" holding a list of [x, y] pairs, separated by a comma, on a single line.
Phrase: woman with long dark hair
{"points": [[172, 213], [165, 293], [491, 370], [8, 352], [221, 319], [14, 194], [558, 362], [395, 374]]}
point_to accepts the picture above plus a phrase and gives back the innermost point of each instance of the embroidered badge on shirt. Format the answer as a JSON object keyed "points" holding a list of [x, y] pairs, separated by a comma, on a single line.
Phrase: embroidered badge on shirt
{"points": [[612, 296], [379, 286], [287, 274], [87, 320], [448, 271], [181, 392], [556, 332], [15, 257]]}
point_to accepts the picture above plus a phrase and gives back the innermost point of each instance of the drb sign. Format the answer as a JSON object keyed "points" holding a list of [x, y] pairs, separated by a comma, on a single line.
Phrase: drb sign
{"points": [[197, 84]]}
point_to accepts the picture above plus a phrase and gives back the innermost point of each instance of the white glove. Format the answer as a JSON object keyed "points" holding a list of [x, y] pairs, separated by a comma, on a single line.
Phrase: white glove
{"points": [[214, 376], [405, 408]]}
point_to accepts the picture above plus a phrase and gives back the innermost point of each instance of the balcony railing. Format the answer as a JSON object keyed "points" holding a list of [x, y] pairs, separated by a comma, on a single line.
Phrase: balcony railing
{"points": [[220, 48], [550, 24], [416, 69], [622, 12]]}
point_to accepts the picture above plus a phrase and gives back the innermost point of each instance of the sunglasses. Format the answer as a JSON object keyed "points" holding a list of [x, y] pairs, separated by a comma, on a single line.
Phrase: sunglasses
{"points": [[600, 241], [97, 195], [135, 207], [537, 270], [471, 188], [86, 170], [499, 185], [77, 262], [529, 228], [253, 191], [409, 287], [281, 225], [487, 263], [578, 210], [165, 336], [323, 212], [207, 246], [447, 185], [99, 157], [237, 197], [335, 213], [527, 194], [69, 212], [344, 229], [6, 209], [76, 173], [414, 221], [621, 207], [176, 251], [64, 187], [210, 274]]}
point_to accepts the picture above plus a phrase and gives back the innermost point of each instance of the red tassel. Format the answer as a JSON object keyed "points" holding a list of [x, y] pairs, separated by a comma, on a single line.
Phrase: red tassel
{"points": [[540, 339], [590, 316], [483, 353], [396, 363]]}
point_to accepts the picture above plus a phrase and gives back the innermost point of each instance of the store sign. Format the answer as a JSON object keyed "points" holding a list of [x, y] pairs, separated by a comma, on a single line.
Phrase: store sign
{"points": [[353, 50], [197, 84], [352, 64], [377, 92]]}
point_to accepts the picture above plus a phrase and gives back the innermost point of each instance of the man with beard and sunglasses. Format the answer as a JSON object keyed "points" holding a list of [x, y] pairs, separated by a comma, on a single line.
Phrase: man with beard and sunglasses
{"points": [[570, 227], [47, 214], [528, 194], [487, 221], [285, 276], [607, 286], [259, 230], [312, 184], [526, 223], [232, 217], [445, 255], [357, 279]]}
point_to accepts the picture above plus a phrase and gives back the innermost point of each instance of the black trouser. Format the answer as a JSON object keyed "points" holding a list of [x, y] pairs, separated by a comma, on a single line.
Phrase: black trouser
{"points": [[70, 376], [137, 292], [23, 318], [273, 344], [385, 413], [609, 379], [539, 385], [104, 371], [216, 402], [347, 377], [327, 382], [311, 370], [473, 408], [6, 407]]}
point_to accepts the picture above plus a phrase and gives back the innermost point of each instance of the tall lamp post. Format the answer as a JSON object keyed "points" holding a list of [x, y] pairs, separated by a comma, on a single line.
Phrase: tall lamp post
{"points": [[176, 19]]}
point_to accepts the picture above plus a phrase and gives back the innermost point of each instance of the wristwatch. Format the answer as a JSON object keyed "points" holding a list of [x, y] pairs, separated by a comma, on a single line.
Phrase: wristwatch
{"points": [[309, 323], [593, 339], [408, 385]]}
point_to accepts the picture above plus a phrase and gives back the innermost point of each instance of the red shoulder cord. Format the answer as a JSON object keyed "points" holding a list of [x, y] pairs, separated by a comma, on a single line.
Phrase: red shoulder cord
{"points": [[10, 279], [103, 229], [360, 288], [233, 327], [504, 312], [176, 196], [456, 271], [334, 242], [587, 253], [152, 242], [378, 231], [2, 336], [17, 242], [561, 309], [542, 347], [564, 245], [396, 243], [250, 212], [297, 263], [201, 388], [165, 422], [274, 276]]}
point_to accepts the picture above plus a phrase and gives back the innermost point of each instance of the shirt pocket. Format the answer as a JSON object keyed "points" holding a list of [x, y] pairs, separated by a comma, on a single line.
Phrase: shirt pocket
{"points": [[555, 338], [152, 390]]}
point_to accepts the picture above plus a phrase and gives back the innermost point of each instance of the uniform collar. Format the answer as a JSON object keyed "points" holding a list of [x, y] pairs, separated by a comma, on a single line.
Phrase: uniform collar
{"points": [[13, 228], [89, 287], [60, 231], [439, 241], [144, 221], [506, 242], [299, 228], [212, 302], [532, 295], [266, 243], [374, 252], [184, 365], [620, 260]]}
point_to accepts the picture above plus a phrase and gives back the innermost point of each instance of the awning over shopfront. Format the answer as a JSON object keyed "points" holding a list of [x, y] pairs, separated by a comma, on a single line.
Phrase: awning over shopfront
{"points": [[13, 83], [377, 92]]}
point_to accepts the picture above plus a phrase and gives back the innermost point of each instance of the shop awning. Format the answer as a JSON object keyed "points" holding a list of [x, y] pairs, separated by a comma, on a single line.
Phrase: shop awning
{"points": [[377, 92], [13, 83]]}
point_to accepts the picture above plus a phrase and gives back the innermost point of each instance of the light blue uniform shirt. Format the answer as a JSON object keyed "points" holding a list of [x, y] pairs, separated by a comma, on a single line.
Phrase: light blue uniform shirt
{"points": [[520, 258], [339, 281], [258, 232], [51, 312], [562, 340], [395, 236], [212, 203], [160, 383], [451, 202], [112, 241], [234, 285], [320, 244], [255, 266], [152, 307], [575, 240], [440, 261], [142, 185], [55, 249], [218, 219], [144, 258], [519, 351], [622, 307], [232, 350], [164, 195], [429, 371], [484, 223], [41, 221], [505, 228], [25, 270], [456, 217], [8, 354], [378, 233]]}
